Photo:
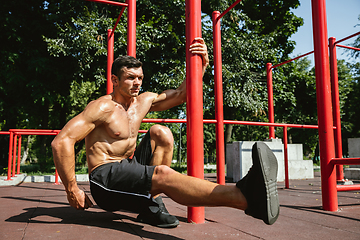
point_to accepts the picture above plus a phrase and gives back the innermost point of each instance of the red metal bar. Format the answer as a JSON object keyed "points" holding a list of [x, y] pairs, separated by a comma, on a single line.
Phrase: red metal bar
{"points": [[10, 155], [326, 136], [270, 99], [336, 106], [343, 188], [157, 120], [4, 132], [35, 133], [194, 111], [278, 65], [131, 35], [270, 124], [227, 10], [345, 161], [19, 155], [119, 4], [346, 38], [219, 111], [34, 130], [343, 46], [56, 177], [212, 121], [14, 155], [118, 19], [110, 60], [286, 160]]}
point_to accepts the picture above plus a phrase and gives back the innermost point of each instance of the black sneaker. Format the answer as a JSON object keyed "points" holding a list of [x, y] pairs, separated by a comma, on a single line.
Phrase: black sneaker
{"points": [[158, 216], [259, 185]]}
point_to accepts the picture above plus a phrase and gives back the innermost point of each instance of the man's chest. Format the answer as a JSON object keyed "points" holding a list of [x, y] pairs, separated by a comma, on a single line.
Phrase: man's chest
{"points": [[124, 124]]}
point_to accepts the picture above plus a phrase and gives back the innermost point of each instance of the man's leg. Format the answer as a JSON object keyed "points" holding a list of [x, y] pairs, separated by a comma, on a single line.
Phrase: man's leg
{"points": [[161, 144], [256, 193], [191, 191]]}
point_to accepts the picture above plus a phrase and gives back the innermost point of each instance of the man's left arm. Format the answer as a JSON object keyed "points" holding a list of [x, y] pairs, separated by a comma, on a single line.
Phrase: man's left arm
{"points": [[173, 97]]}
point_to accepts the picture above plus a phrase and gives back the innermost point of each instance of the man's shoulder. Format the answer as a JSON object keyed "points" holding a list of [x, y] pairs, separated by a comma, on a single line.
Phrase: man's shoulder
{"points": [[147, 96], [102, 104]]}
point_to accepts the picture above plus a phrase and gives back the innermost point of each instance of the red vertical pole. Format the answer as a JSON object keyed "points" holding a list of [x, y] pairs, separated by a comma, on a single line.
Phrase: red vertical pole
{"points": [[286, 160], [336, 106], [19, 156], [323, 94], [11, 136], [14, 156], [131, 34], [56, 177], [270, 99], [110, 60], [219, 112], [195, 134]]}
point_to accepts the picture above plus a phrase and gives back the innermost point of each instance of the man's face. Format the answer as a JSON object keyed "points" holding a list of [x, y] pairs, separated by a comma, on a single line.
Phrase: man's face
{"points": [[130, 81]]}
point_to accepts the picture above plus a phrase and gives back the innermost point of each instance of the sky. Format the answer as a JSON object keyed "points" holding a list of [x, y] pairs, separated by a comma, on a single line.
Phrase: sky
{"points": [[342, 18]]}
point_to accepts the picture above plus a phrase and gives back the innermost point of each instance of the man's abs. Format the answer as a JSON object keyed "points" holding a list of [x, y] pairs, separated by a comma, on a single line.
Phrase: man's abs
{"points": [[101, 149]]}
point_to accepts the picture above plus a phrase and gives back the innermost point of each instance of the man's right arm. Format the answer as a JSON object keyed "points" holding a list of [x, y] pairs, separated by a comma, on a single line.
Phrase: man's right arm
{"points": [[64, 155]]}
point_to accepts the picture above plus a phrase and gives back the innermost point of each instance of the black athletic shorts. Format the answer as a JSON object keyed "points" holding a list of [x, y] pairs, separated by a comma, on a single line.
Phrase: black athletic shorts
{"points": [[125, 185]]}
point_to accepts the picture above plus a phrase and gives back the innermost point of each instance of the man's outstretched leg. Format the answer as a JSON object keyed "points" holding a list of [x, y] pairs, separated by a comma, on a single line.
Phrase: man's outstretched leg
{"points": [[161, 143], [256, 193]]}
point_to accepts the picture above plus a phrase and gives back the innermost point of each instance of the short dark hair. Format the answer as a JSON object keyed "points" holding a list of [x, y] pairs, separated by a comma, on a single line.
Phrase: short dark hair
{"points": [[124, 61]]}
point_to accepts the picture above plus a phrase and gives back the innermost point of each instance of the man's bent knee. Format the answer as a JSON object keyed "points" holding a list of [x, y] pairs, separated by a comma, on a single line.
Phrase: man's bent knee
{"points": [[162, 135]]}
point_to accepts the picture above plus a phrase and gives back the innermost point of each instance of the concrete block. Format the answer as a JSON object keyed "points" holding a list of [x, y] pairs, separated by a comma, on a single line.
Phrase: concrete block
{"points": [[352, 173], [354, 149], [295, 152], [14, 180], [82, 177], [239, 160], [301, 169]]}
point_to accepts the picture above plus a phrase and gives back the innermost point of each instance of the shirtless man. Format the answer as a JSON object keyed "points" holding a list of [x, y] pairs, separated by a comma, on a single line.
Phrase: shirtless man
{"points": [[110, 126]]}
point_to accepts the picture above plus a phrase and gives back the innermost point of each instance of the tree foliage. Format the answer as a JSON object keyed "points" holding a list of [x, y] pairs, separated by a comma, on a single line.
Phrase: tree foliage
{"points": [[54, 60]]}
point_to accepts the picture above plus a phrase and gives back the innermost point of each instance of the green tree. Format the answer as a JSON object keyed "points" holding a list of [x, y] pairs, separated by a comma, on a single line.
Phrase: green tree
{"points": [[350, 113], [253, 33], [56, 63]]}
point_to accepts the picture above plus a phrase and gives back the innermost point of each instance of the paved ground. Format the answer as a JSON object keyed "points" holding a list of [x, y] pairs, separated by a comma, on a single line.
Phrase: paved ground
{"points": [[40, 211]]}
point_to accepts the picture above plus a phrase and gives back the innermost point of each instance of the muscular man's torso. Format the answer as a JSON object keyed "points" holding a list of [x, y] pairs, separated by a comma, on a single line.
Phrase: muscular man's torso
{"points": [[115, 138]]}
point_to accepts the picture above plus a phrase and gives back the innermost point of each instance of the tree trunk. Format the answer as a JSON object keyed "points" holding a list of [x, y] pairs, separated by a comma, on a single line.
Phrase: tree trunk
{"points": [[228, 133], [26, 151]]}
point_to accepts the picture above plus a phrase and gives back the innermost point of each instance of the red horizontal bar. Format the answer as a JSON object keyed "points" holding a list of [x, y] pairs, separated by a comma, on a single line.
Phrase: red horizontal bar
{"points": [[33, 130], [280, 64], [270, 124], [341, 40], [4, 132], [343, 188], [110, 2], [345, 161], [343, 46], [36, 133], [157, 120]]}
